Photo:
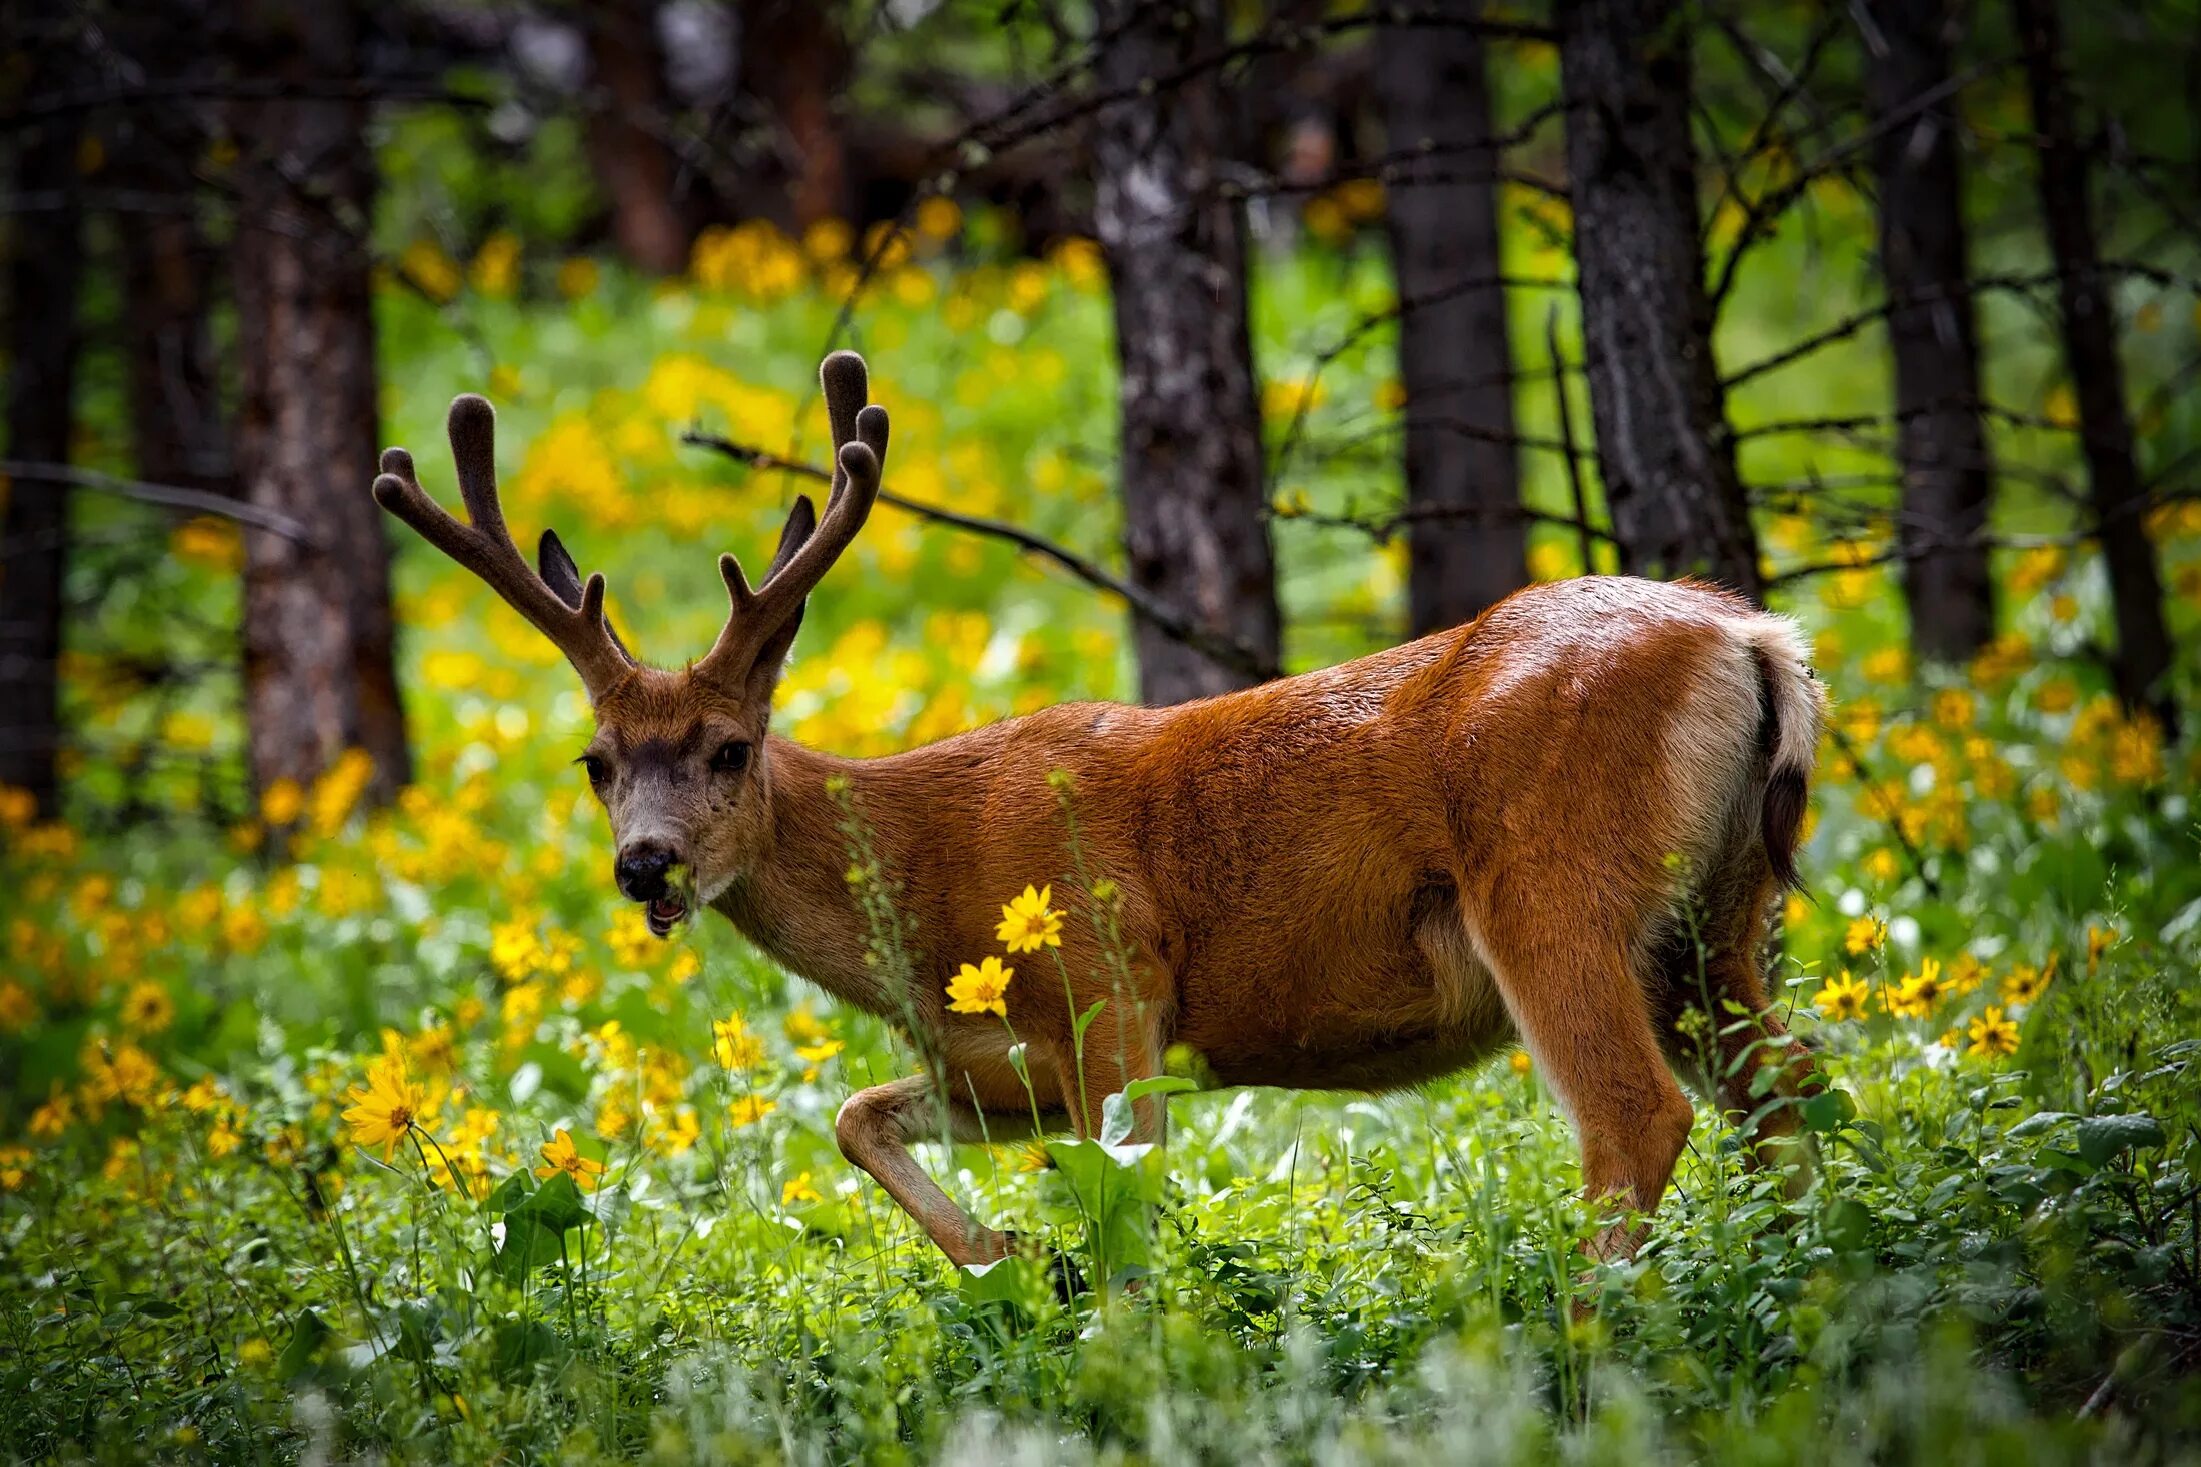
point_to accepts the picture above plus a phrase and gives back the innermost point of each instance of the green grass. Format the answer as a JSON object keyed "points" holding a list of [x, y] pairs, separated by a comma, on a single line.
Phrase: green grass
{"points": [[1998, 1263]]}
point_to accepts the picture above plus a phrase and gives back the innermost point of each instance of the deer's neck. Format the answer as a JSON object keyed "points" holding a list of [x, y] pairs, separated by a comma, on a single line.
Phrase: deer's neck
{"points": [[796, 903]]}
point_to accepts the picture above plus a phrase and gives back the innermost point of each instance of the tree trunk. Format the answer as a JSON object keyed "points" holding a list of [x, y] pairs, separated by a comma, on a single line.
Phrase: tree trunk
{"points": [[44, 268], [1665, 452], [177, 430], [1195, 514], [795, 62], [319, 673], [1947, 472], [631, 105], [1468, 545], [2119, 499]]}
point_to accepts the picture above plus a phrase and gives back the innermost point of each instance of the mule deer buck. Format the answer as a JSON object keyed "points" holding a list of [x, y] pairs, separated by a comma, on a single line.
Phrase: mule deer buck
{"points": [[1361, 878]]}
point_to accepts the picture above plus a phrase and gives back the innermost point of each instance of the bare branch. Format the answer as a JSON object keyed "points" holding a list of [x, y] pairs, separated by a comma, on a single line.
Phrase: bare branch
{"points": [[170, 496], [1166, 618]]}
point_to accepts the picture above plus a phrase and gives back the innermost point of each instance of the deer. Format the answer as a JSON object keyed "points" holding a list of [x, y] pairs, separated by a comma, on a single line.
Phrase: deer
{"points": [[1562, 825]]}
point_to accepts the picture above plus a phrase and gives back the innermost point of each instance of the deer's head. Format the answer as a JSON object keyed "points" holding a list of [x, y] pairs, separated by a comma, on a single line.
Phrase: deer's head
{"points": [[679, 757]]}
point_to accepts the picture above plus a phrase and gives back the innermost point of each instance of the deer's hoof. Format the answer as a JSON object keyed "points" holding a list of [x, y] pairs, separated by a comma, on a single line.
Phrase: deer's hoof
{"points": [[1063, 1273]]}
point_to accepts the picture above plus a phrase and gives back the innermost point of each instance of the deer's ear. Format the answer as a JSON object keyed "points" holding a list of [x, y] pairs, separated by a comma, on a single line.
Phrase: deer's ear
{"points": [[558, 571], [802, 523], [557, 568]]}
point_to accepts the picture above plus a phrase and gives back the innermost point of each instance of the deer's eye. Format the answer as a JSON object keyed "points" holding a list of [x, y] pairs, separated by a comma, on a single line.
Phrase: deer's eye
{"points": [[594, 766], [732, 757]]}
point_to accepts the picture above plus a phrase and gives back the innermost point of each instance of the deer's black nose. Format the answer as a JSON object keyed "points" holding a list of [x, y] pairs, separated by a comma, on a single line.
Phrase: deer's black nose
{"points": [[640, 871]]}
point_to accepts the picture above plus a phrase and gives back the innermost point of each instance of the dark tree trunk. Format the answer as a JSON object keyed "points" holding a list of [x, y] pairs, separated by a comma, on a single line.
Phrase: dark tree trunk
{"points": [[630, 107], [1468, 546], [1665, 452], [1947, 473], [795, 62], [319, 674], [1195, 515], [44, 267], [178, 430], [2119, 499]]}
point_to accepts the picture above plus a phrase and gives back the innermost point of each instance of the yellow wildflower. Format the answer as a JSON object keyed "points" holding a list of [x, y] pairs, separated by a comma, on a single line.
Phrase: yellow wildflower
{"points": [[282, 802], [1917, 995], [1865, 934], [148, 1009], [15, 1167], [798, 1189], [18, 1008], [736, 1048], [981, 990], [814, 1056], [2099, 940], [803, 1026], [1842, 998], [561, 1155], [747, 1110], [1028, 924], [2025, 984], [1992, 1035], [55, 1116], [386, 1109]]}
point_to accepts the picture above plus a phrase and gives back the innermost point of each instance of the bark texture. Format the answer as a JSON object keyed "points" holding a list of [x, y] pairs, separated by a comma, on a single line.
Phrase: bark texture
{"points": [[45, 262], [319, 674], [178, 429], [1948, 475], [1665, 452], [629, 109], [2117, 495], [1195, 512], [1467, 545]]}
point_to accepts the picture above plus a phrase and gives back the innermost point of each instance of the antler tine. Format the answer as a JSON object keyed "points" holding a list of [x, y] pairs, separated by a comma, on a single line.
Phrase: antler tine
{"points": [[810, 543], [484, 546]]}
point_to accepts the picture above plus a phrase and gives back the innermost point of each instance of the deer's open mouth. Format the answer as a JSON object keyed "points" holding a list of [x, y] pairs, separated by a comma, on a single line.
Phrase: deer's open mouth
{"points": [[666, 913]]}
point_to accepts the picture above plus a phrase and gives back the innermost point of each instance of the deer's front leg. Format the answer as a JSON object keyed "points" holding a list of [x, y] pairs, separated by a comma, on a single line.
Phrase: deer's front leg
{"points": [[875, 1128]]}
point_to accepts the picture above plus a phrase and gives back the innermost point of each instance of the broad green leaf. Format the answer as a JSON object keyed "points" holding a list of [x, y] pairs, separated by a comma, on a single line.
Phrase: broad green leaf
{"points": [[520, 1345], [556, 1204], [2104, 1137]]}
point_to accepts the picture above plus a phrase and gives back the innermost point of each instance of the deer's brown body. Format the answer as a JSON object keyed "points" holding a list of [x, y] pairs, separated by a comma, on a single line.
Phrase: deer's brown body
{"points": [[1562, 824]]}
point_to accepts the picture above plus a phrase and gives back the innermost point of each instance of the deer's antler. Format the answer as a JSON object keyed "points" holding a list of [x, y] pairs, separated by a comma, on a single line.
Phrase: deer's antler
{"points": [[766, 617], [562, 607]]}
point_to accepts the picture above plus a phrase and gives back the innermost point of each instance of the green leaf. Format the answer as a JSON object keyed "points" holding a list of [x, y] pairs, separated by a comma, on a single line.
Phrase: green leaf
{"points": [[528, 1244], [520, 1345], [2038, 1122], [1828, 1110], [1159, 1085], [556, 1204], [1010, 1281], [2103, 1137], [307, 1334], [510, 1192]]}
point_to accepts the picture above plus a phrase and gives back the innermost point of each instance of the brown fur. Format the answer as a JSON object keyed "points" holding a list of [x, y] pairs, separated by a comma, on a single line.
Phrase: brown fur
{"points": [[1360, 878]]}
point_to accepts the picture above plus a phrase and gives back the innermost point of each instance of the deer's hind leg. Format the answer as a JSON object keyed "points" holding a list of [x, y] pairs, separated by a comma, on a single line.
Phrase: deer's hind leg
{"points": [[1715, 1018], [1569, 979]]}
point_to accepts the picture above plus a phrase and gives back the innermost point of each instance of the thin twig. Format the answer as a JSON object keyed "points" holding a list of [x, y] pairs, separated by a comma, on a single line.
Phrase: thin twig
{"points": [[1167, 619], [171, 496]]}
